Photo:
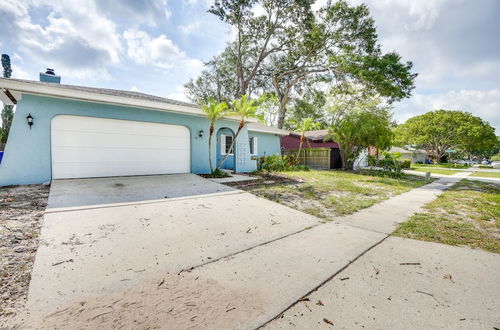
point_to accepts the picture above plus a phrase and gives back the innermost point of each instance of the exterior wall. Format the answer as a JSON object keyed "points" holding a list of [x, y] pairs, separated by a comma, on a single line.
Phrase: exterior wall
{"points": [[27, 157], [293, 142], [267, 144]]}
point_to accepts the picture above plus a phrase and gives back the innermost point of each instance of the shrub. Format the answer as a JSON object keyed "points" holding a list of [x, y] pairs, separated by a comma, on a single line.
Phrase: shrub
{"points": [[277, 163], [218, 173], [372, 160], [405, 163], [391, 162]]}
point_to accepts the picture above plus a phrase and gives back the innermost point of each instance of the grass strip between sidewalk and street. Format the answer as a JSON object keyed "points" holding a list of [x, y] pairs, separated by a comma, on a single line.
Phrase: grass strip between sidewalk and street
{"points": [[468, 214]]}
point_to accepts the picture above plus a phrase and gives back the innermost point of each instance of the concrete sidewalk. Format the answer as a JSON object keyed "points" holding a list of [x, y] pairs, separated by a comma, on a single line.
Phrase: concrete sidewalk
{"points": [[254, 285], [443, 287], [456, 176], [384, 217]]}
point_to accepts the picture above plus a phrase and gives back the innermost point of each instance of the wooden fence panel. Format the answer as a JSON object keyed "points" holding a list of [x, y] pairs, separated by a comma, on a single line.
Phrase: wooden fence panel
{"points": [[317, 158]]}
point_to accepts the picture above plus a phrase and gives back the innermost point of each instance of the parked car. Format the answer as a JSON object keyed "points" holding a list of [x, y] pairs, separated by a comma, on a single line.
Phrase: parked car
{"points": [[495, 164]]}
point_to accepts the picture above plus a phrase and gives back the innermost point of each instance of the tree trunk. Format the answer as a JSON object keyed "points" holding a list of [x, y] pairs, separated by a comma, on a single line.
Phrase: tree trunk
{"points": [[281, 114], [210, 148], [342, 156], [300, 146]]}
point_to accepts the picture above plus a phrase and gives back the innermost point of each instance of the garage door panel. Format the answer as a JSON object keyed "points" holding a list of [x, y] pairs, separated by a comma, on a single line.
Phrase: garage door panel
{"points": [[123, 155], [95, 140], [97, 147]]}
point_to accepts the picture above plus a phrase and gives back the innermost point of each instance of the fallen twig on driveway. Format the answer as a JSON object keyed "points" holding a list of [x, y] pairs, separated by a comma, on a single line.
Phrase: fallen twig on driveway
{"points": [[429, 294], [62, 262], [327, 321]]}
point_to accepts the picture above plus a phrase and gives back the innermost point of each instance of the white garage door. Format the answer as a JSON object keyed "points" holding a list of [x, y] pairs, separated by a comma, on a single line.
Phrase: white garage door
{"points": [[86, 147]]}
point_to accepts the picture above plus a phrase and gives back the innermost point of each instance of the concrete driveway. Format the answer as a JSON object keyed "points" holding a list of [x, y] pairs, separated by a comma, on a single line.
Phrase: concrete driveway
{"points": [[101, 249], [99, 191]]}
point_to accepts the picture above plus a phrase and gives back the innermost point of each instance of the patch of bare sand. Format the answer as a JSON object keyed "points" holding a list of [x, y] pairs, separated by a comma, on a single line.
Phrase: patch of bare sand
{"points": [[182, 301], [21, 213]]}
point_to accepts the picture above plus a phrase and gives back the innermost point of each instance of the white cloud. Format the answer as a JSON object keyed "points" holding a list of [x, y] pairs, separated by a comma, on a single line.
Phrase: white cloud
{"points": [[134, 89], [190, 28], [74, 38], [160, 51], [136, 12], [179, 94], [19, 73]]}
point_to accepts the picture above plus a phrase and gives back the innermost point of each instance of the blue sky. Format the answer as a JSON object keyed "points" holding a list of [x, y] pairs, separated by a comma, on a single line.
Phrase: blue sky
{"points": [[156, 46]]}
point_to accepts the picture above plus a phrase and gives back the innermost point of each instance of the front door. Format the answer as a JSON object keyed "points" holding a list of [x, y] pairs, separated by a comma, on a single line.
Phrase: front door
{"points": [[225, 137]]}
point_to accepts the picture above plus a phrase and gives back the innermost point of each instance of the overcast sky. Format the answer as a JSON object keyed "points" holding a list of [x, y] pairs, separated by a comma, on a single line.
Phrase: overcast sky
{"points": [[156, 46]]}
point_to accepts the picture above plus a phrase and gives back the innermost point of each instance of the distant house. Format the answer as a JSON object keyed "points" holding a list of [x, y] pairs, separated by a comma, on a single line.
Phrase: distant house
{"points": [[414, 155], [66, 131]]}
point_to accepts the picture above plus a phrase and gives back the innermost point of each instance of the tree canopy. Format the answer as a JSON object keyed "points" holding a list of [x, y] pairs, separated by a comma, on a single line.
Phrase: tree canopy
{"points": [[284, 46], [358, 123], [441, 130]]}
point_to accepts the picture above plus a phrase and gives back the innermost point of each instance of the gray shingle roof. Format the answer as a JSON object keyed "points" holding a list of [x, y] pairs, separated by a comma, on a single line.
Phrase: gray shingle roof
{"points": [[107, 91], [252, 126]]}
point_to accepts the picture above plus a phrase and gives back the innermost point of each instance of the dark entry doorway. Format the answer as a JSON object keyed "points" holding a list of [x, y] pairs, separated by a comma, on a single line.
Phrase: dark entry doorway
{"points": [[335, 159]]}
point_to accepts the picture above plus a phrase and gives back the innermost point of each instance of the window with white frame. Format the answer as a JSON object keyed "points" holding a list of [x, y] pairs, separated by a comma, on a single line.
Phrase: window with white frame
{"points": [[225, 144], [253, 145]]}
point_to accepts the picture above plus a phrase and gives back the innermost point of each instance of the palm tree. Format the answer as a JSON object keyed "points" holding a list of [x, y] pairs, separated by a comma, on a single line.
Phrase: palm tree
{"points": [[307, 124], [245, 108], [214, 112]]}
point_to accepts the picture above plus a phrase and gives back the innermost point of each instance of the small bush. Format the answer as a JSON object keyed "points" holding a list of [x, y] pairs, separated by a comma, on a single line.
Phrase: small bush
{"points": [[372, 160], [218, 173], [391, 162], [277, 163], [405, 163]]}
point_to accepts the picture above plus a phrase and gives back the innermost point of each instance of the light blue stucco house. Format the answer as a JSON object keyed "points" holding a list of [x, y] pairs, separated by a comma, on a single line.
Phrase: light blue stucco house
{"points": [[65, 131]]}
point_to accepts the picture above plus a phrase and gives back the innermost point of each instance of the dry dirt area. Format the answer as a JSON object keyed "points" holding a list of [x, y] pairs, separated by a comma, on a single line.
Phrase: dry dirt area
{"points": [[21, 214]]}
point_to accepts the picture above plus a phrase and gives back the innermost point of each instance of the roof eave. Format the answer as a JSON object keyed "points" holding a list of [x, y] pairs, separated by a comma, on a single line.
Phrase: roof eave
{"points": [[18, 87]]}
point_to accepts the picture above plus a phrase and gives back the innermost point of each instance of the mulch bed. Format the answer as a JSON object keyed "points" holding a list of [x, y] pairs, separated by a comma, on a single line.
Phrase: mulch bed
{"points": [[21, 214]]}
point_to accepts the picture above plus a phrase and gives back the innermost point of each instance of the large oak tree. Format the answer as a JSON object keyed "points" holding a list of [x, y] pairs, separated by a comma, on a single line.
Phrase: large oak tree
{"points": [[441, 130], [283, 45]]}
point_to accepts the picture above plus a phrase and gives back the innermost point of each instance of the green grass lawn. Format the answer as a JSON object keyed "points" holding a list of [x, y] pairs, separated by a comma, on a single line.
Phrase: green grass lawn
{"points": [[327, 194], [433, 170], [485, 166], [467, 214], [486, 174]]}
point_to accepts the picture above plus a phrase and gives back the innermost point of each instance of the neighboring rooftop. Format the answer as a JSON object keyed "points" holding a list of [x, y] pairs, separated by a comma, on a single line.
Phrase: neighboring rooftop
{"points": [[318, 135], [406, 151]]}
